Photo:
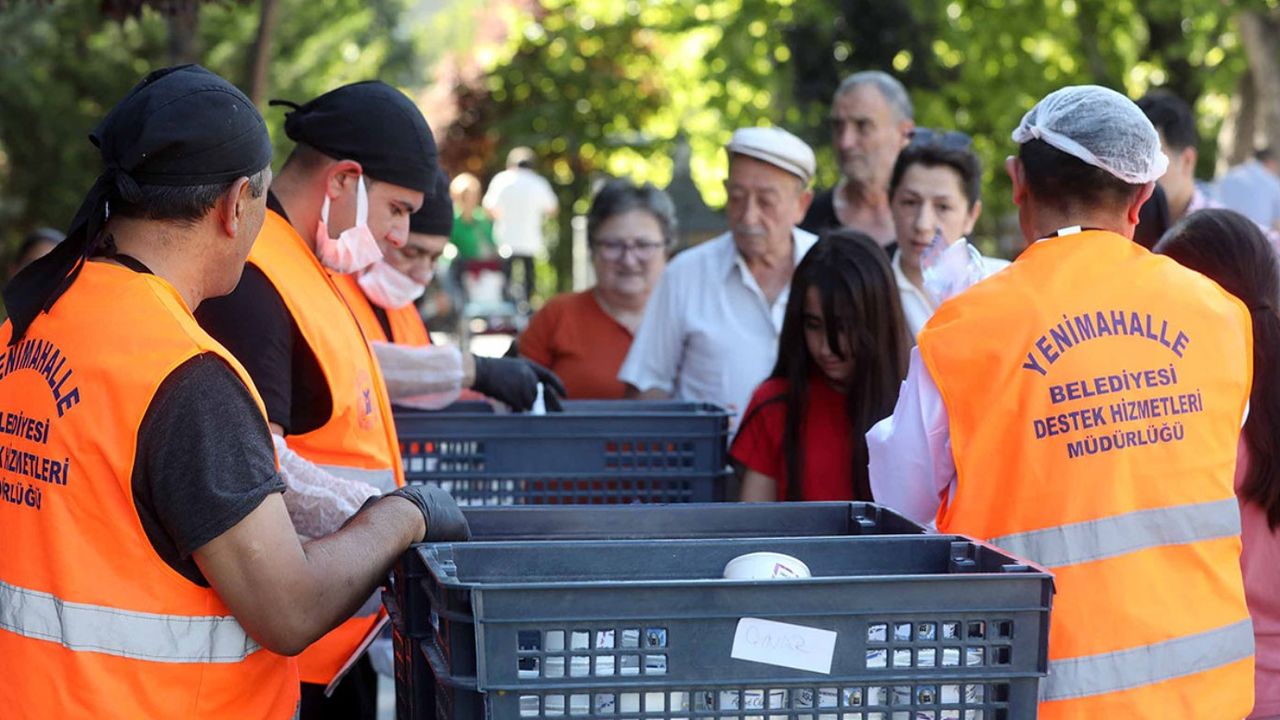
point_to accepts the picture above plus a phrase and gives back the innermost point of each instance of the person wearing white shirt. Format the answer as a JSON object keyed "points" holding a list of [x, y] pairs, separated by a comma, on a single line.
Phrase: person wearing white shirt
{"points": [[710, 331], [520, 201], [1253, 189], [935, 187]]}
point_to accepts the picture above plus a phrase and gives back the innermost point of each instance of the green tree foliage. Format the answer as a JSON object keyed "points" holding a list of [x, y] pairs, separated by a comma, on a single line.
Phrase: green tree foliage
{"points": [[64, 65], [604, 86]]}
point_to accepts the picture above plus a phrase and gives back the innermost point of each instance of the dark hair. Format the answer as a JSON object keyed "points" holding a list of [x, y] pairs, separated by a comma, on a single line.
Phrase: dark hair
{"points": [[182, 203], [1229, 249], [1172, 116], [937, 154], [859, 301], [1069, 183], [620, 195], [1265, 154]]}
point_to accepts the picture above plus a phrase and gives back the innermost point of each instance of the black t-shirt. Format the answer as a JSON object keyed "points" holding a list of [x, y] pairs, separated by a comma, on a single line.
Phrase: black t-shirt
{"points": [[256, 326], [821, 218], [204, 461], [383, 320]]}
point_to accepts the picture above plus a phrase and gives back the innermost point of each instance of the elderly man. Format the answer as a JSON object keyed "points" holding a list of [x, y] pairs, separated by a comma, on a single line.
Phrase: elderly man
{"points": [[1082, 409], [871, 120], [710, 331], [150, 567]]}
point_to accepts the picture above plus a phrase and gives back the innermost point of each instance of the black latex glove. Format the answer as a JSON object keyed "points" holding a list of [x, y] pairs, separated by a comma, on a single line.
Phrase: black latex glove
{"points": [[445, 521], [514, 381]]}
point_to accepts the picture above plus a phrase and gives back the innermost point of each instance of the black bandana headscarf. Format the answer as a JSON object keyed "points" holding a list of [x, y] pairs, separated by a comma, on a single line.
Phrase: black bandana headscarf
{"points": [[179, 127], [435, 217]]}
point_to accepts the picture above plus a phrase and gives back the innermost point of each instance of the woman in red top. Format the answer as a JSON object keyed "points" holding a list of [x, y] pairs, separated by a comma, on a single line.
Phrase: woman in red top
{"points": [[841, 358], [583, 337]]}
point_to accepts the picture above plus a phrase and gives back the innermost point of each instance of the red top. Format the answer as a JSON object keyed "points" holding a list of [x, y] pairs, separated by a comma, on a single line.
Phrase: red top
{"points": [[828, 457], [574, 337]]}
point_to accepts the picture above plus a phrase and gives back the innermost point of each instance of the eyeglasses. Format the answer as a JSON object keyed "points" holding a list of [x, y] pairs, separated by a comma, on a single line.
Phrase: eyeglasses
{"points": [[614, 249], [949, 139]]}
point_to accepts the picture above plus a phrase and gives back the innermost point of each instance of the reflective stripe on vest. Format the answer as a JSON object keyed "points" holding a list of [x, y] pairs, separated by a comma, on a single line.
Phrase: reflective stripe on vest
{"points": [[1120, 534], [138, 635], [384, 480], [1081, 677]]}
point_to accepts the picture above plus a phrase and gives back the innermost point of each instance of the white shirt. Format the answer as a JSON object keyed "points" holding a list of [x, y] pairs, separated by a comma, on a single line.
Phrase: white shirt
{"points": [[709, 334], [917, 306], [911, 465], [520, 199]]}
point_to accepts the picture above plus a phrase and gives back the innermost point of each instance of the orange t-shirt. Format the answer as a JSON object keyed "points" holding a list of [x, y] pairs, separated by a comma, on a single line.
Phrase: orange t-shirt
{"points": [[574, 337]]}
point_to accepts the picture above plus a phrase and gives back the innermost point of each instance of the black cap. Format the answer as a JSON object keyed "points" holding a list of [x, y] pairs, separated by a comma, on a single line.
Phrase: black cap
{"points": [[180, 126], [372, 123], [435, 217]]}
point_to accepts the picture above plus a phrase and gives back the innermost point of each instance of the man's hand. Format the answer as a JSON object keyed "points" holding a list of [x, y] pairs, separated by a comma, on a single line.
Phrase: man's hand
{"points": [[514, 381], [443, 519]]}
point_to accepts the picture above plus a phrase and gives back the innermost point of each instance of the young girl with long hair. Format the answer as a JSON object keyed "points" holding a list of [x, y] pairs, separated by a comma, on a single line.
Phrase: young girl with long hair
{"points": [[842, 356], [1229, 249]]}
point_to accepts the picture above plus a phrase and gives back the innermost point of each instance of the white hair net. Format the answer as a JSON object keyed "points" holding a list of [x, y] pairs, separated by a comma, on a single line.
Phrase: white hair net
{"points": [[1099, 126]]}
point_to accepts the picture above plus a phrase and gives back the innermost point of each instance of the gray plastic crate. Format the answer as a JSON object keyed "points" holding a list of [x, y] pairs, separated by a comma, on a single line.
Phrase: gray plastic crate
{"points": [[924, 624], [410, 609], [595, 452]]}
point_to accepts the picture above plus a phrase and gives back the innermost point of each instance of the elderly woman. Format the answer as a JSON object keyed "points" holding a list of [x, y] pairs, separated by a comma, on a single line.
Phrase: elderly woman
{"points": [[584, 337]]}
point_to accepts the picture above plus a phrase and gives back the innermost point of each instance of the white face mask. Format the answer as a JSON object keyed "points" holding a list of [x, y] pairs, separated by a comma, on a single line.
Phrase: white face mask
{"points": [[388, 288], [355, 249]]}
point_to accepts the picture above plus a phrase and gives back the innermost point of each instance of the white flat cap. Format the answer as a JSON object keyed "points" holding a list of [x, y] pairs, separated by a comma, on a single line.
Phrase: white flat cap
{"points": [[776, 147]]}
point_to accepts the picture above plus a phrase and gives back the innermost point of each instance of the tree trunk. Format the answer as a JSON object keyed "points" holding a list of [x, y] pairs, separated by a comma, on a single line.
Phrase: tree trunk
{"points": [[1261, 39], [1239, 130], [183, 20], [1087, 23], [260, 58]]}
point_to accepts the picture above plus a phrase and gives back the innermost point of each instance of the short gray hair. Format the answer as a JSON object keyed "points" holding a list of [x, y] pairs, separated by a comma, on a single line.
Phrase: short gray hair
{"points": [[619, 195], [185, 204], [890, 89]]}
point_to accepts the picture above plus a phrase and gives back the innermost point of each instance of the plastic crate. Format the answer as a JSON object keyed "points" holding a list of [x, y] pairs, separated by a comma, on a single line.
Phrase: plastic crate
{"points": [[643, 629], [595, 452], [414, 680], [644, 522]]}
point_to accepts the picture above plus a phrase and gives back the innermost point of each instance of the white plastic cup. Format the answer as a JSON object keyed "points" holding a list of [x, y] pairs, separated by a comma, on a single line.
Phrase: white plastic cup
{"points": [[766, 566]]}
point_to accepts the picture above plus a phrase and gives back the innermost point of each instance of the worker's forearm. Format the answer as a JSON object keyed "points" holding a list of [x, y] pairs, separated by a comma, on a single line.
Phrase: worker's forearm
{"points": [[344, 568], [413, 371]]}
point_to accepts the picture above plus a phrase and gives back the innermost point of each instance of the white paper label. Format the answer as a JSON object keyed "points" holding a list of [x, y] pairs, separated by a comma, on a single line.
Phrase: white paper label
{"points": [[790, 646]]}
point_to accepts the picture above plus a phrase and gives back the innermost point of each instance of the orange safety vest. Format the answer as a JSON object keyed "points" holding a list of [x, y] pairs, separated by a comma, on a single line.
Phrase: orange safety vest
{"points": [[407, 327], [1095, 393], [93, 623], [359, 439]]}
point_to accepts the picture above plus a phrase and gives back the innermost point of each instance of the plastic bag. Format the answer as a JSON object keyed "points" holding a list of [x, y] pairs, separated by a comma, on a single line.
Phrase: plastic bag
{"points": [[319, 502], [950, 269]]}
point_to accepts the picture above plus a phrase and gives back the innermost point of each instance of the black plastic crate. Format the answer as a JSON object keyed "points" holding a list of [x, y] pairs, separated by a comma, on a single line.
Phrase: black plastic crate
{"points": [[595, 452], [923, 624], [414, 681], [647, 521]]}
